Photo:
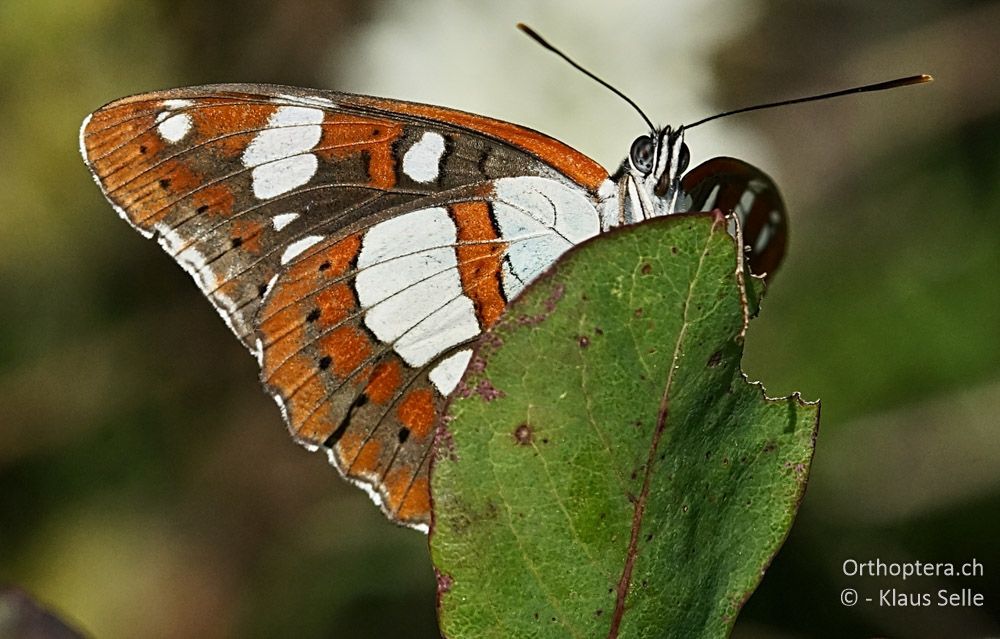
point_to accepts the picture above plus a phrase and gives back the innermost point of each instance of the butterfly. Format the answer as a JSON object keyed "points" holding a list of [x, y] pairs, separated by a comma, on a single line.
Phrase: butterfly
{"points": [[358, 246]]}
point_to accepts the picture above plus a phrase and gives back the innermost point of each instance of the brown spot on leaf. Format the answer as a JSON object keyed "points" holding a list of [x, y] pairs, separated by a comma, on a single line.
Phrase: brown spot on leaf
{"points": [[490, 338], [557, 292], [715, 359], [530, 320], [646, 269], [444, 581], [477, 364], [444, 443], [523, 435], [462, 390], [487, 392]]}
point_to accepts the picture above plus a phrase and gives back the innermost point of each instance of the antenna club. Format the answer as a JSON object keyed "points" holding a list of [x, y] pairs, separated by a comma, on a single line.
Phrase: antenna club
{"points": [[531, 33], [867, 88]]}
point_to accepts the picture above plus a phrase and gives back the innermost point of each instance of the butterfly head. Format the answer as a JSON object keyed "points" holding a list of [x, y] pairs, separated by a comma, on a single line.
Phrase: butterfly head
{"points": [[656, 163]]}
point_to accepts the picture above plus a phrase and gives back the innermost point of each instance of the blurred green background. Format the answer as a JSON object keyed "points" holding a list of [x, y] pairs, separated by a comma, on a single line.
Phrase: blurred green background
{"points": [[147, 485]]}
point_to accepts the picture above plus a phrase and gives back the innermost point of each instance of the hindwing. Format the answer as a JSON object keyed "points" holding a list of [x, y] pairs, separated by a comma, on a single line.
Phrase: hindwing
{"points": [[737, 188]]}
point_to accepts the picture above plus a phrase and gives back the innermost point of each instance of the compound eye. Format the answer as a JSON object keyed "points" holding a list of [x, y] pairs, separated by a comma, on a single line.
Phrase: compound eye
{"points": [[683, 159], [642, 152]]}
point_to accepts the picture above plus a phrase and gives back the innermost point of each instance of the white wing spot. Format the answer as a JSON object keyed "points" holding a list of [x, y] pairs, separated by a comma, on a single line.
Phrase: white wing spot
{"points": [[175, 128], [410, 287], [709, 204], [279, 155], [298, 247], [746, 201], [282, 220], [551, 217], [422, 162], [307, 100], [281, 176], [763, 239], [268, 287], [448, 372]]}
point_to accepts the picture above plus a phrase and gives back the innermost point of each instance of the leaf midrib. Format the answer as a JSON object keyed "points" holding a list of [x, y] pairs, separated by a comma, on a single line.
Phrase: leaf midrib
{"points": [[625, 583]]}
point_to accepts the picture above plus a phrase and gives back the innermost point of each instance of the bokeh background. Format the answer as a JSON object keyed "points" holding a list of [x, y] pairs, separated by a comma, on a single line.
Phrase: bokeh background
{"points": [[147, 485]]}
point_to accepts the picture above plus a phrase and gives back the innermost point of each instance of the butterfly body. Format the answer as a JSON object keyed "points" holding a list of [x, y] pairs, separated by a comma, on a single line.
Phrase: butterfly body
{"points": [[357, 246]]}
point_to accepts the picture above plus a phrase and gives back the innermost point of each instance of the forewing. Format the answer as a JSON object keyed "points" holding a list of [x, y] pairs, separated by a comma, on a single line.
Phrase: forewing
{"points": [[356, 245]]}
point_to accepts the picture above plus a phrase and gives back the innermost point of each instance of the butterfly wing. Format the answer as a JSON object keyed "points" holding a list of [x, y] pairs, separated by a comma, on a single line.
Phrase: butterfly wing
{"points": [[733, 186], [356, 245]]}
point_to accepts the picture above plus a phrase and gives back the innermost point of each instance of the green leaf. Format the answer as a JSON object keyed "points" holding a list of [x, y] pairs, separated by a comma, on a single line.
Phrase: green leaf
{"points": [[606, 469]]}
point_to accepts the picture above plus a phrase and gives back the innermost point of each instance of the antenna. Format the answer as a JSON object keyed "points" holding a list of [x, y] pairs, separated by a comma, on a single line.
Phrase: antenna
{"points": [[880, 86], [542, 41]]}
